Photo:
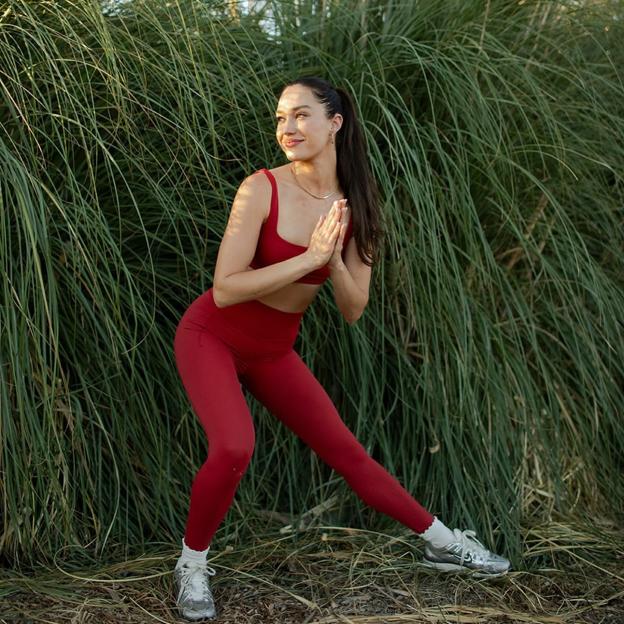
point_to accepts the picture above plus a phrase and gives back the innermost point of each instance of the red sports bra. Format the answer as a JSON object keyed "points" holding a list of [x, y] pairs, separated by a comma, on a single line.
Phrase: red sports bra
{"points": [[272, 248]]}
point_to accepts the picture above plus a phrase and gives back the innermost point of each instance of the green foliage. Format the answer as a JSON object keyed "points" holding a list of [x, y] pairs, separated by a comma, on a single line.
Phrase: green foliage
{"points": [[486, 373]]}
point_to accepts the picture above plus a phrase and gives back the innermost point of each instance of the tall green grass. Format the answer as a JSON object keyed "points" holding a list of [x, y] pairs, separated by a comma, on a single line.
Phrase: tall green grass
{"points": [[486, 373]]}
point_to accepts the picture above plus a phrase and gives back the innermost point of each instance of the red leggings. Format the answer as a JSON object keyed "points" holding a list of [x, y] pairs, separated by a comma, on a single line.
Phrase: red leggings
{"points": [[250, 344]]}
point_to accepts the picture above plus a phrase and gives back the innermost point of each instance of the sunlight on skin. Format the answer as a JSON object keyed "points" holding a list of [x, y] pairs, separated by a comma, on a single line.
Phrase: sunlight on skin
{"points": [[237, 213]]}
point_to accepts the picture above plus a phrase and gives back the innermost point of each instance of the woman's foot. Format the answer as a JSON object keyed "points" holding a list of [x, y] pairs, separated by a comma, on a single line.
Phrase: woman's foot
{"points": [[465, 553], [194, 596]]}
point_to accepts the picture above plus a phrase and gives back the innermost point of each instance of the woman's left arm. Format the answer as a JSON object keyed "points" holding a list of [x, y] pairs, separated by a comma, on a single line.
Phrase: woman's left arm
{"points": [[351, 281]]}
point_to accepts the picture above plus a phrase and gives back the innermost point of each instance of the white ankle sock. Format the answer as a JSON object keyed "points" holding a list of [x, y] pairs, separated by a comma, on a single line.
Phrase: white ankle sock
{"points": [[188, 554], [438, 534]]}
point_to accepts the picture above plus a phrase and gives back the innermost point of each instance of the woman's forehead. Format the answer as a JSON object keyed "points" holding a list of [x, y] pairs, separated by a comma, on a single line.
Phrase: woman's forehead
{"points": [[292, 99]]}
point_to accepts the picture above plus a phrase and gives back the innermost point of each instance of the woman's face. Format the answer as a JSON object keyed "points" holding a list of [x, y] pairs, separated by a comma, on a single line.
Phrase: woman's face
{"points": [[302, 129]]}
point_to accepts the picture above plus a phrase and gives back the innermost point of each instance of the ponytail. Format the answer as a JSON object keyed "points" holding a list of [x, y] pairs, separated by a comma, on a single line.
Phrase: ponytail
{"points": [[353, 166]]}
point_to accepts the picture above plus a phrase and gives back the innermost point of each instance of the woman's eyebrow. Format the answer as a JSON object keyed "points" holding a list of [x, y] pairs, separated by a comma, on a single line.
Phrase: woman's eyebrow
{"points": [[295, 108]]}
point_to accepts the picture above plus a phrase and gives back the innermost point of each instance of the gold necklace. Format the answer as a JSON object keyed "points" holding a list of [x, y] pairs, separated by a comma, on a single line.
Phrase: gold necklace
{"points": [[306, 190]]}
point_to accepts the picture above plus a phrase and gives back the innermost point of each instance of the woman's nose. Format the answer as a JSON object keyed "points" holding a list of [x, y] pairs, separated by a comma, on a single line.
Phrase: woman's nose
{"points": [[291, 126]]}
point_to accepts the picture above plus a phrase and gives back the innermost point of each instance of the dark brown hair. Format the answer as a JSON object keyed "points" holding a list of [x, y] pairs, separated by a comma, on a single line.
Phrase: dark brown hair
{"points": [[353, 167]]}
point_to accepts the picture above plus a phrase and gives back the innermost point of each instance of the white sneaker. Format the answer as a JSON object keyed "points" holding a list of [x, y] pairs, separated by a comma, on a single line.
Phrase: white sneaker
{"points": [[194, 596], [465, 554]]}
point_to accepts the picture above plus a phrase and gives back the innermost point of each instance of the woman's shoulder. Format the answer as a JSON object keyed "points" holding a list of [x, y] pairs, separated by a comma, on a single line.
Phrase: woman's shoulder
{"points": [[257, 186], [278, 172]]}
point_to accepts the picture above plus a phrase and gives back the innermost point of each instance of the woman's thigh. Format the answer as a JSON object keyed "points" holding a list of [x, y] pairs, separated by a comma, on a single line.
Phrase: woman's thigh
{"points": [[208, 371], [291, 392]]}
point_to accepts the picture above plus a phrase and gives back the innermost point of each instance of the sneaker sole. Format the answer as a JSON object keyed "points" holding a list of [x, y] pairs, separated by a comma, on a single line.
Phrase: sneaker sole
{"points": [[452, 567]]}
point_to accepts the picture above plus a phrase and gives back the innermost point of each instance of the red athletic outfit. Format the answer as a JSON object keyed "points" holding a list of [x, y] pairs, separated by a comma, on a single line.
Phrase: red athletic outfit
{"points": [[272, 248], [219, 351]]}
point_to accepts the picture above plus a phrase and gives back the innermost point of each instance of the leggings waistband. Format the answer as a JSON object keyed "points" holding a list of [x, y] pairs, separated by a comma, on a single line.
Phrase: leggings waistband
{"points": [[249, 326]]}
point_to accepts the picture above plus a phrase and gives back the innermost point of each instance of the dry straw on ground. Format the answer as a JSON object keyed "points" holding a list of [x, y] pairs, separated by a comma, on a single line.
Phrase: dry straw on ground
{"points": [[326, 575]]}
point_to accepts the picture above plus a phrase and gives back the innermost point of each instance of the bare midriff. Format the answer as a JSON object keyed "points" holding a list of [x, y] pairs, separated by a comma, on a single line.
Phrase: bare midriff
{"points": [[294, 297]]}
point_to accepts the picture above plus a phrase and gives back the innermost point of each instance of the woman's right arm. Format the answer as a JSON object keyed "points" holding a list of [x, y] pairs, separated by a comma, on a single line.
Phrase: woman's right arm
{"points": [[234, 281]]}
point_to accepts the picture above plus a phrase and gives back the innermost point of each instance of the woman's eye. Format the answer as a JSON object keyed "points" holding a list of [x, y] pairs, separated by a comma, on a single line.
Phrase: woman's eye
{"points": [[298, 115]]}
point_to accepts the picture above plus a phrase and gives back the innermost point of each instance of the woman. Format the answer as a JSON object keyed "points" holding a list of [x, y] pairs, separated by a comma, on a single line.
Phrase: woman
{"points": [[288, 231]]}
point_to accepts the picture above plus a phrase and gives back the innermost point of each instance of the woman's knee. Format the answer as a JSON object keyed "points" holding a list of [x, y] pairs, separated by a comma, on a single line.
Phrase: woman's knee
{"points": [[234, 455]]}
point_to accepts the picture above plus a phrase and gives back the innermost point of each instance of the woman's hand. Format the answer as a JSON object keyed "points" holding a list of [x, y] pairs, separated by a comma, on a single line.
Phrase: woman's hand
{"points": [[325, 234], [336, 257]]}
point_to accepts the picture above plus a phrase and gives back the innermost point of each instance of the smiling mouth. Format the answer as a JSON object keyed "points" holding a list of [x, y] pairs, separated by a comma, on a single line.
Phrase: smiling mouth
{"points": [[291, 143]]}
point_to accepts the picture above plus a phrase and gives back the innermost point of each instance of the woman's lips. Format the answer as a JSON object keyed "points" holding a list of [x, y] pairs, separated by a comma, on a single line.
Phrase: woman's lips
{"points": [[292, 143]]}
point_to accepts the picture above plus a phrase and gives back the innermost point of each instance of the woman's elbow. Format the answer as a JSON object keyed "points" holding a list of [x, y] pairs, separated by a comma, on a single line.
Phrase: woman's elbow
{"points": [[217, 296]]}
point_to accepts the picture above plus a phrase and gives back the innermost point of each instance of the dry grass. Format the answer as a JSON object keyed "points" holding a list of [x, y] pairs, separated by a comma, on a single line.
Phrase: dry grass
{"points": [[324, 575]]}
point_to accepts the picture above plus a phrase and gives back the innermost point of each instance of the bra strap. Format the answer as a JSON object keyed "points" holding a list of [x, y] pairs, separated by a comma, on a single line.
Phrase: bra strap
{"points": [[273, 211]]}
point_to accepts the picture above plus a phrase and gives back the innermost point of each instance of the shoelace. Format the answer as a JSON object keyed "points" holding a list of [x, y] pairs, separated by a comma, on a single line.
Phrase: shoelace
{"points": [[198, 581], [466, 537]]}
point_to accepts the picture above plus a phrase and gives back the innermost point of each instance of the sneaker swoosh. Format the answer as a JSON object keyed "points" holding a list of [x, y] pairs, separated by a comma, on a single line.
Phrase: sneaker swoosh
{"points": [[467, 557]]}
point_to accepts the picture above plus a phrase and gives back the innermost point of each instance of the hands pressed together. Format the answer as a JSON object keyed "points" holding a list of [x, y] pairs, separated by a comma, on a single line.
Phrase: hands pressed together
{"points": [[326, 240]]}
